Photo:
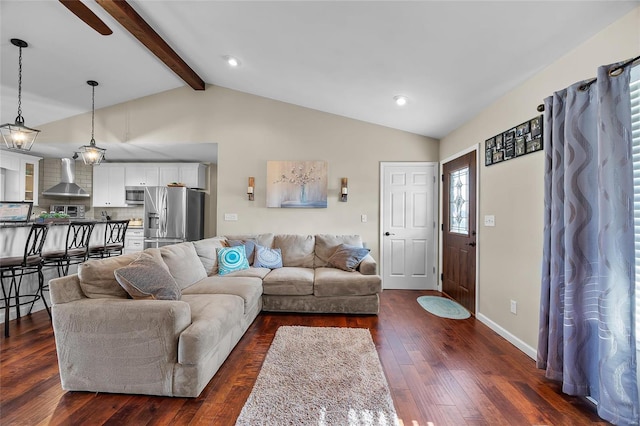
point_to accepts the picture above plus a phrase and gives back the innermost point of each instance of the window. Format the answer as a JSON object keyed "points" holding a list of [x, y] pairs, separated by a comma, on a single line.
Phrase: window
{"points": [[459, 202]]}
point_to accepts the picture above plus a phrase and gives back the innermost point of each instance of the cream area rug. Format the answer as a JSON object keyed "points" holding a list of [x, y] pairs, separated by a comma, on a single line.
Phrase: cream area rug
{"points": [[320, 376]]}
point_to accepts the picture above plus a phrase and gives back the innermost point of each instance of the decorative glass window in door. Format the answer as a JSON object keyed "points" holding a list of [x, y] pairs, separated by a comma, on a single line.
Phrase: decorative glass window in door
{"points": [[459, 201]]}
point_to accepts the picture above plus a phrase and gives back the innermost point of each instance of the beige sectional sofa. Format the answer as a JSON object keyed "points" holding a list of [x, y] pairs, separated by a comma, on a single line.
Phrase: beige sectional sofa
{"points": [[108, 342], [307, 282]]}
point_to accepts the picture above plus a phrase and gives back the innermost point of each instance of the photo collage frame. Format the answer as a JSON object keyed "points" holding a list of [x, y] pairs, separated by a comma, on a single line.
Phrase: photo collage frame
{"points": [[515, 142]]}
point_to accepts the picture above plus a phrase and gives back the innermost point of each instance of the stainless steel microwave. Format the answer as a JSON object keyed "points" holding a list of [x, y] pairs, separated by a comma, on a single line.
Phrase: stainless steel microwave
{"points": [[134, 194]]}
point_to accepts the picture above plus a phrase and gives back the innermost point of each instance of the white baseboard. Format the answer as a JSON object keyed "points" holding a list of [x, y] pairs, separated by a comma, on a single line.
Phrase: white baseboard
{"points": [[515, 341], [38, 306]]}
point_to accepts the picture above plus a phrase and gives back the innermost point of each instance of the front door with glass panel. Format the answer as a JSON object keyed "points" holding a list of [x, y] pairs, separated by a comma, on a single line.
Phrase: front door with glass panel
{"points": [[459, 230]]}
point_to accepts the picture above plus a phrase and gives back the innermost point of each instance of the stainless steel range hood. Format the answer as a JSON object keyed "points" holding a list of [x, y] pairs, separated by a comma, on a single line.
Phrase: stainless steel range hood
{"points": [[67, 186]]}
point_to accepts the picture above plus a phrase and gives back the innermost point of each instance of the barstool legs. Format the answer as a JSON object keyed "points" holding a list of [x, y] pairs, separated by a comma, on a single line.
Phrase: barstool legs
{"points": [[13, 293], [41, 291], [7, 299]]}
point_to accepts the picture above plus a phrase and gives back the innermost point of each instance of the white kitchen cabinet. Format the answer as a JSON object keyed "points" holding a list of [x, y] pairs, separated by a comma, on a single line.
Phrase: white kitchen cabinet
{"points": [[20, 177], [134, 240], [108, 185], [192, 175], [169, 173], [141, 174]]}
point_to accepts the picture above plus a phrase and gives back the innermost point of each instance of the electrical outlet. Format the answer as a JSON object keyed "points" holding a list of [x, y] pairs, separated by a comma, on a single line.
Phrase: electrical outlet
{"points": [[231, 217], [489, 220], [514, 307], [363, 218]]}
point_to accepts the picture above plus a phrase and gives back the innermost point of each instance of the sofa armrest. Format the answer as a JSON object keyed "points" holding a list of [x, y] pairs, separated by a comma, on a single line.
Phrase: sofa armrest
{"points": [[65, 289], [119, 345], [368, 266]]}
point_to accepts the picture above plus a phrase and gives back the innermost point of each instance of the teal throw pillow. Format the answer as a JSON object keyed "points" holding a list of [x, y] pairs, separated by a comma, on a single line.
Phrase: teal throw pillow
{"points": [[231, 259], [267, 258], [348, 257]]}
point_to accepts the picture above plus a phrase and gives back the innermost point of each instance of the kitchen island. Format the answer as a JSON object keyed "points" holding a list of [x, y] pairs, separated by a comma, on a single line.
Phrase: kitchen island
{"points": [[13, 237]]}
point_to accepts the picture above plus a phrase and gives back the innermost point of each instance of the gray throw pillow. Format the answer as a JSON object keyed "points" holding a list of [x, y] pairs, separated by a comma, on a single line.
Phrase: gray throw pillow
{"points": [[347, 257], [249, 247], [144, 278]]}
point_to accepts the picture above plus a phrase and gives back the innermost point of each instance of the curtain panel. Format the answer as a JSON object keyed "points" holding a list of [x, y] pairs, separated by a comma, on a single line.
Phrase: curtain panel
{"points": [[587, 334]]}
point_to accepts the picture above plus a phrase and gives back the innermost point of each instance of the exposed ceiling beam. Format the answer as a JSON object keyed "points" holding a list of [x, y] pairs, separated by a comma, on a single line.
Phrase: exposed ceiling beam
{"points": [[85, 14], [138, 27]]}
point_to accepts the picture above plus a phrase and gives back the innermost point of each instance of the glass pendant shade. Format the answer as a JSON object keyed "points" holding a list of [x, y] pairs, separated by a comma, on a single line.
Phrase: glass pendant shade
{"points": [[91, 154], [17, 136]]}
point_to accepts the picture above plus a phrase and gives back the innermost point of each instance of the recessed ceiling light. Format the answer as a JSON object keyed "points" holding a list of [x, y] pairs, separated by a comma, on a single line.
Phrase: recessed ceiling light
{"points": [[400, 100], [232, 61]]}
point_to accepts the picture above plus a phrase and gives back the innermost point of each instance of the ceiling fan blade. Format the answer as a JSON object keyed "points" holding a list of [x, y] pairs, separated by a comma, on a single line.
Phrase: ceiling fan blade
{"points": [[85, 14]]}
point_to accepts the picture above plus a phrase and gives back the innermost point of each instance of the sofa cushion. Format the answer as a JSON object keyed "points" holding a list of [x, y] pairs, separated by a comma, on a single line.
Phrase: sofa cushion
{"points": [[252, 272], [250, 289], [268, 258], [249, 248], [97, 280], [207, 253], [212, 316], [288, 281], [336, 282], [327, 244], [145, 278], [232, 259], [265, 240], [339, 304], [184, 263], [297, 250], [348, 257], [262, 239]]}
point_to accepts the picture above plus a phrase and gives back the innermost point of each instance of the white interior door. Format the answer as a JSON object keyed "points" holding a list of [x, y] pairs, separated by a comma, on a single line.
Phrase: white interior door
{"points": [[408, 222]]}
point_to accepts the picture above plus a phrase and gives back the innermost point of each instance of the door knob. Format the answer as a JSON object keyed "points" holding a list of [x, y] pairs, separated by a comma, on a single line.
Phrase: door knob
{"points": [[472, 244], [388, 233]]}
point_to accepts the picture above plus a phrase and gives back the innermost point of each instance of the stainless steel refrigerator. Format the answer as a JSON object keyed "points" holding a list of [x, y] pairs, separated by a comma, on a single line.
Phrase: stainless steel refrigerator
{"points": [[172, 215]]}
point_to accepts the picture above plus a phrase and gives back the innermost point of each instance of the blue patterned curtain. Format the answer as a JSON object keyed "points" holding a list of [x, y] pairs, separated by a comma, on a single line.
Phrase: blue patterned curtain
{"points": [[587, 331]]}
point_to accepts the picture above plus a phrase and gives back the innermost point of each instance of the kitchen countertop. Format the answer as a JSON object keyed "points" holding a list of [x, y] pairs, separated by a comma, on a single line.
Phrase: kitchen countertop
{"points": [[58, 222]]}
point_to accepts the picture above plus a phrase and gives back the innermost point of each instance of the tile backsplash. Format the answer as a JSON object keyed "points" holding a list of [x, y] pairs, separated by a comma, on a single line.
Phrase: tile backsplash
{"points": [[50, 173], [118, 213]]}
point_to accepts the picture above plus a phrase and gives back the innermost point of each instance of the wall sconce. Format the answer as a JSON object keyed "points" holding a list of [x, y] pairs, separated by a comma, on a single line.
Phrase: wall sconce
{"points": [[344, 191], [251, 188]]}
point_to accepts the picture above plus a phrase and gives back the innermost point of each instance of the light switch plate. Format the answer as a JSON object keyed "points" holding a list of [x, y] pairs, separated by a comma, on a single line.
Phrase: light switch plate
{"points": [[231, 216], [363, 218], [489, 220]]}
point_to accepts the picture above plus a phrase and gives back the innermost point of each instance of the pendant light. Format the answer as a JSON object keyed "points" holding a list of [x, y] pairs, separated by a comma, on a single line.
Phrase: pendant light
{"points": [[92, 154], [17, 136]]}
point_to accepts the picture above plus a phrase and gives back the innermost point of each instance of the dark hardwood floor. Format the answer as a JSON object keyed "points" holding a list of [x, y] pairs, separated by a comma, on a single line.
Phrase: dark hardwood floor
{"points": [[441, 372]]}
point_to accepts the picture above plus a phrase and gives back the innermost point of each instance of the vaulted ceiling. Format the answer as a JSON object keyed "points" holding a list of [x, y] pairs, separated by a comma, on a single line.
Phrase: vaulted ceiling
{"points": [[450, 58]]}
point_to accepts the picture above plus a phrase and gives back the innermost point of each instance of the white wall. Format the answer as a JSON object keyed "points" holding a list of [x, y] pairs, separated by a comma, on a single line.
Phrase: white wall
{"points": [[250, 130], [510, 254]]}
